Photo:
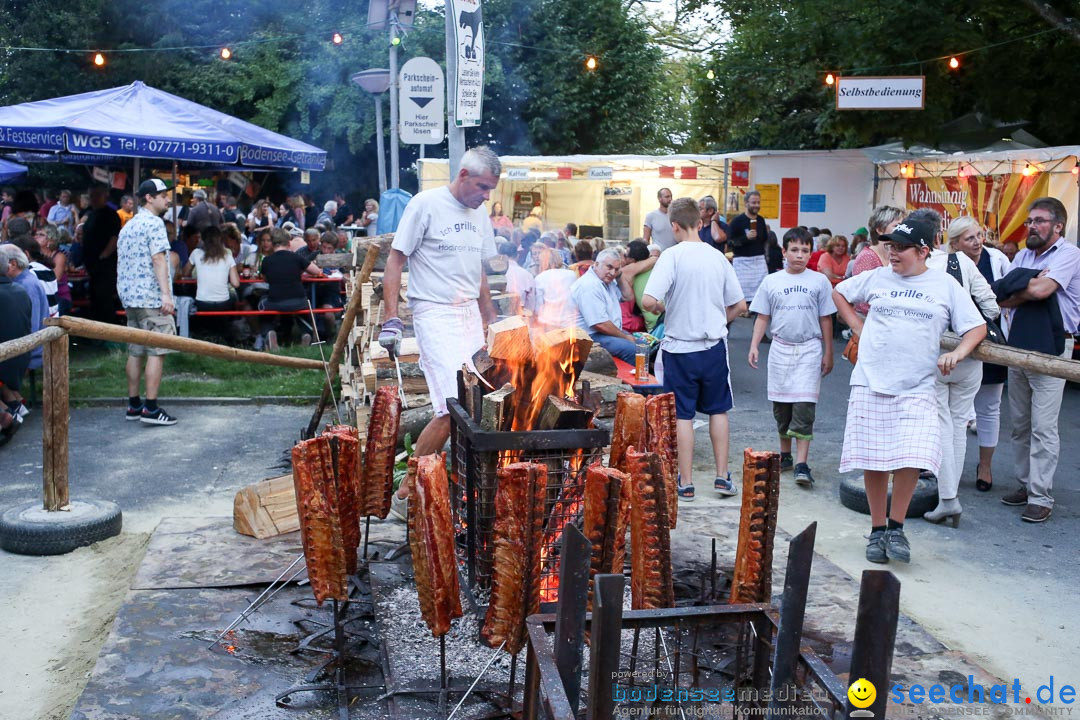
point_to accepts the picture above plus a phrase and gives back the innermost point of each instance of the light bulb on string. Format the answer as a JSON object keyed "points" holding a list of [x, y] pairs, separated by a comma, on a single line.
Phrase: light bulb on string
{"points": [[954, 63], [591, 63], [710, 75], [1028, 170], [1076, 169], [830, 79], [99, 59], [395, 41], [225, 53], [905, 170], [336, 38]]}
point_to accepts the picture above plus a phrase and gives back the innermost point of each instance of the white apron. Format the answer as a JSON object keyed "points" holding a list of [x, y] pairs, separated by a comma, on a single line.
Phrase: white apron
{"points": [[795, 371]]}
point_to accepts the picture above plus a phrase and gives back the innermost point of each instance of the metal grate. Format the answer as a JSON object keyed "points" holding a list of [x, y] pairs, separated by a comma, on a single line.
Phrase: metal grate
{"points": [[477, 457]]}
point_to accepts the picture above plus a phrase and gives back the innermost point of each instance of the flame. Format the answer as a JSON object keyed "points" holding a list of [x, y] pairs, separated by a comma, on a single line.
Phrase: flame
{"points": [[566, 508]]}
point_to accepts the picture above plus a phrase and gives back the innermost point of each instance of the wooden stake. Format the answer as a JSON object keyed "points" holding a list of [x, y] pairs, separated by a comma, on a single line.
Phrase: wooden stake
{"points": [[562, 414], [54, 443], [497, 412], [1041, 363]]}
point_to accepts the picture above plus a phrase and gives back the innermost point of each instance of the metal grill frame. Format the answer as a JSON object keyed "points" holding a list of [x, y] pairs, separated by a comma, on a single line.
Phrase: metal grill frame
{"points": [[474, 462]]}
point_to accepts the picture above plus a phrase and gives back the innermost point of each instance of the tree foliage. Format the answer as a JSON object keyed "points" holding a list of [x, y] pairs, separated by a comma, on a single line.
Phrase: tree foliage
{"points": [[768, 89]]}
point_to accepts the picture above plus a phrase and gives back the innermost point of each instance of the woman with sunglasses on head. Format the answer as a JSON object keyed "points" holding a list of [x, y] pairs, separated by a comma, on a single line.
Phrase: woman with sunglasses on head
{"points": [[892, 417]]}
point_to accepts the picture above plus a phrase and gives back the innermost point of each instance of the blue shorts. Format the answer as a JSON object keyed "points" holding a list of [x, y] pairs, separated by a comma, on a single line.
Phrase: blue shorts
{"points": [[699, 380]]}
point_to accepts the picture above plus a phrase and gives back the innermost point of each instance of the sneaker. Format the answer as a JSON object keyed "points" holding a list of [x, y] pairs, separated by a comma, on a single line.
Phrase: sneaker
{"points": [[399, 507], [1017, 497], [972, 427], [875, 548], [686, 492], [1036, 513], [725, 486], [260, 342], [134, 413], [845, 334], [19, 409], [786, 462], [305, 340], [897, 546], [157, 417], [9, 432], [803, 476], [271, 341]]}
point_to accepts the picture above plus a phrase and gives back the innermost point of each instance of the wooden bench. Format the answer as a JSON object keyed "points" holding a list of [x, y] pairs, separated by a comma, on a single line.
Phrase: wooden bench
{"points": [[625, 372]]}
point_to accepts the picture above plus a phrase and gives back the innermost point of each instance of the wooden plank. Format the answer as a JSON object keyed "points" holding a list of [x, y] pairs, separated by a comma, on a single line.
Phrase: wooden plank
{"points": [[267, 508], [55, 432], [497, 410], [26, 343], [1041, 363], [409, 349], [563, 414], [509, 340]]}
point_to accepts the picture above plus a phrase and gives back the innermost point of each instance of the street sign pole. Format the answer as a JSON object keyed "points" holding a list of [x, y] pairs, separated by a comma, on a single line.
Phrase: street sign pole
{"points": [[395, 163], [379, 143], [455, 134]]}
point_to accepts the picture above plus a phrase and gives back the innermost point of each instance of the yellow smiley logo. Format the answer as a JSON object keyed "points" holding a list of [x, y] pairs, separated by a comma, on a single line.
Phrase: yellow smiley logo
{"points": [[862, 693]]}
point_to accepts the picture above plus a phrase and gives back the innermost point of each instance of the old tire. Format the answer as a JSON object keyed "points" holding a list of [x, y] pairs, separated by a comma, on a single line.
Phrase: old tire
{"points": [[30, 530], [853, 496]]}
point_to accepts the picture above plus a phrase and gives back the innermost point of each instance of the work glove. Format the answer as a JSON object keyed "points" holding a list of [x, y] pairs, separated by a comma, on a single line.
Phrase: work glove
{"points": [[390, 336]]}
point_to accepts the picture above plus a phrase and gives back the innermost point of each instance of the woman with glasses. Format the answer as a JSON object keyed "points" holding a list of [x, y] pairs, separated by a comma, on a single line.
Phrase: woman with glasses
{"points": [[966, 236], [892, 416]]}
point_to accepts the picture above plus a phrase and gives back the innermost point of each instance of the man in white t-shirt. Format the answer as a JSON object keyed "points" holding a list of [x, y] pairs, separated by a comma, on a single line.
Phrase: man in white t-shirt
{"points": [[657, 223], [445, 234], [697, 288]]}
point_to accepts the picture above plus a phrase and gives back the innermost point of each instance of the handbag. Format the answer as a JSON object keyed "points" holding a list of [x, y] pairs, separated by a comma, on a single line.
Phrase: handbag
{"points": [[851, 350], [993, 331]]}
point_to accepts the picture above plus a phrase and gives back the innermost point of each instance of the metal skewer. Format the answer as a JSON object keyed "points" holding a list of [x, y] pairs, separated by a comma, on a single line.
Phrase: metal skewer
{"points": [[326, 365], [259, 601], [477, 680]]}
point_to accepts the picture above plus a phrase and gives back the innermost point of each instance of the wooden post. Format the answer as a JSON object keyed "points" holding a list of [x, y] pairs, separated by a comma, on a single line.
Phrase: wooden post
{"points": [[55, 418], [1041, 363]]}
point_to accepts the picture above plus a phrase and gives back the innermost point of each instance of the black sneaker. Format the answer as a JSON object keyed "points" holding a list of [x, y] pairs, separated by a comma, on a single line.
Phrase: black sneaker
{"points": [[897, 546], [803, 476], [875, 548], [157, 417], [786, 462], [134, 413]]}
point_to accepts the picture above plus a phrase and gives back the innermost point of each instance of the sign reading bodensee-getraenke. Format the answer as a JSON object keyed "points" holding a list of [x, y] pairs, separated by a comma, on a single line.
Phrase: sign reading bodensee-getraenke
{"points": [[469, 38], [421, 100], [881, 93]]}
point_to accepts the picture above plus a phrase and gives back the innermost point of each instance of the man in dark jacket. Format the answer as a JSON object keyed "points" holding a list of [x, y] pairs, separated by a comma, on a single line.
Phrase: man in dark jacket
{"points": [[15, 314]]}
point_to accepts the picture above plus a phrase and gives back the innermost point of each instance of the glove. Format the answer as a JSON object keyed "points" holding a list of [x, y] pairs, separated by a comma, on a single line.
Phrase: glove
{"points": [[390, 336]]}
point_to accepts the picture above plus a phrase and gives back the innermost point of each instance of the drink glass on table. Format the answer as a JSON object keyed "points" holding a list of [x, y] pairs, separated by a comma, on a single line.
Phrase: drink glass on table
{"points": [[641, 360]]}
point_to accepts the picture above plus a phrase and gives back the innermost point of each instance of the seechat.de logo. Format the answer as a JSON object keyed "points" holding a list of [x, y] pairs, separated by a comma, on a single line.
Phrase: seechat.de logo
{"points": [[862, 694]]}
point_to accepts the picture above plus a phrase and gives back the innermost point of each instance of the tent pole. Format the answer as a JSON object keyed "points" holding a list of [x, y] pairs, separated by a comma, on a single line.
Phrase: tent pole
{"points": [[135, 179], [877, 179], [723, 199], [174, 174]]}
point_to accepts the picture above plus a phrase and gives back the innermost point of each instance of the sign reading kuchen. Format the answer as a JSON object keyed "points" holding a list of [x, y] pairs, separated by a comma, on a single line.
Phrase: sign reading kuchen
{"points": [[421, 102], [601, 173], [881, 93], [469, 39]]}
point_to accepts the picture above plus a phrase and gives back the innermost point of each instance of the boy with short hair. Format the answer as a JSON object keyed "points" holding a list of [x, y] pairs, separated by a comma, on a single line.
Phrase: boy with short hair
{"points": [[799, 303], [697, 289]]}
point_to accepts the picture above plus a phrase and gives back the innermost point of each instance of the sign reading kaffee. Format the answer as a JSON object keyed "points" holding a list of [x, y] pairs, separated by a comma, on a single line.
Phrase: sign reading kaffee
{"points": [[881, 93]]}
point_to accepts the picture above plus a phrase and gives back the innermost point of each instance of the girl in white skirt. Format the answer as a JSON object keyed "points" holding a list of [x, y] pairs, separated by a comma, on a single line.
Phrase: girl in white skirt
{"points": [[892, 417]]}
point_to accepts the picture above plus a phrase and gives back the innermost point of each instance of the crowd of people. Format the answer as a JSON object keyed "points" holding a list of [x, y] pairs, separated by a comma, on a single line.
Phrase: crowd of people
{"points": [[98, 252]]}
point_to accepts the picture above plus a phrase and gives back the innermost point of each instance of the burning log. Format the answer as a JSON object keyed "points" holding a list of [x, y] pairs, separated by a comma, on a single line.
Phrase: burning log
{"points": [[661, 437], [563, 414], [629, 427], [320, 527], [345, 449], [650, 539], [497, 409], [509, 340], [377, 481], [519, 518], [752, 582], [607, 513], [566, 346], [431, 540]]}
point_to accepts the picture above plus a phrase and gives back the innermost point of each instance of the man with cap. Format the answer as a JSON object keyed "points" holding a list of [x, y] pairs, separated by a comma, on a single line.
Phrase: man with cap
{"points": [[892, 417], [202, 215], [146, 291]]}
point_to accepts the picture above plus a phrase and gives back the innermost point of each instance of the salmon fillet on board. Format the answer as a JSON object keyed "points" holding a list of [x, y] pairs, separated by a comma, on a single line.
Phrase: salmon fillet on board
{"points": [[320, 528], [650, 538], [518, 536], [377, 480], [431, 539]]}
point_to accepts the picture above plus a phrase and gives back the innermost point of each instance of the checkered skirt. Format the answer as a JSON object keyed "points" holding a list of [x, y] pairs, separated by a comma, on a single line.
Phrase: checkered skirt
{"points": [[889, 432]]}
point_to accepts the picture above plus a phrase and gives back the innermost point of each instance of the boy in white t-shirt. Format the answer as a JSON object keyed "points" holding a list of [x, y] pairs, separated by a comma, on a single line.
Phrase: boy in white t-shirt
{"points": [[799, 304], [696, 286]]}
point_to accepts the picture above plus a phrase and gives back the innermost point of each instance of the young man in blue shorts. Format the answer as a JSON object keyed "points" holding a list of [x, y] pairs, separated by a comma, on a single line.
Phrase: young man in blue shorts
{"points": [[696, 287]]}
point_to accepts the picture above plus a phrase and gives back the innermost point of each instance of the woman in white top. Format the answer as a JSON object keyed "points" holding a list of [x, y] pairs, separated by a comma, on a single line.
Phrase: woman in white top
{"points": [[554, 306], [370, 218], [956, 391], [967, 237], [215, 272], [892, 418]]}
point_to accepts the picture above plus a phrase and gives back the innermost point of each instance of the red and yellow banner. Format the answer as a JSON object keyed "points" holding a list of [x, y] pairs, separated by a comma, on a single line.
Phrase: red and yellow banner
{"points": [[999, 202]]}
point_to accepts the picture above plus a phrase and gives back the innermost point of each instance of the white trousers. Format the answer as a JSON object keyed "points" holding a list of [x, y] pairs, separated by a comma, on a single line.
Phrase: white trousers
{"points": [[988, 414], [1034, 404], [955, 394]]}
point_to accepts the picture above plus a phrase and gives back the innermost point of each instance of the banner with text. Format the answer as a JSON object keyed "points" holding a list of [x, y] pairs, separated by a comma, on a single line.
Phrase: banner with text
{"points": [[998, 202], [881, 93], [469, 40]]}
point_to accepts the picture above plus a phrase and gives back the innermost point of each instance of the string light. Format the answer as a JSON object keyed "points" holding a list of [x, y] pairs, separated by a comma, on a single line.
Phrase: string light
{"points": [[395, 41], [225, 53], [590, 62], [906, 169], [99, 59], [830, 80], [954, 63], [1076, 168], [1028, 170], [710, 75], [336, 38]]}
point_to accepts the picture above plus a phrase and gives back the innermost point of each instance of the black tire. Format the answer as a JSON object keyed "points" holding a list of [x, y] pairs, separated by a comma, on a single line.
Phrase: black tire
{"points": [[853, 496], [29, 530]]}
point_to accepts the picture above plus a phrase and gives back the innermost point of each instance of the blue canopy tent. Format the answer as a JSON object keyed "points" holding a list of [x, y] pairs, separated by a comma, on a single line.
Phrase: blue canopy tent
{"points": [[140, 122], [10, 171]]}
